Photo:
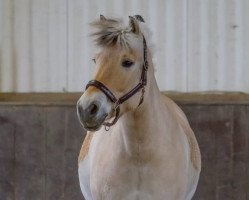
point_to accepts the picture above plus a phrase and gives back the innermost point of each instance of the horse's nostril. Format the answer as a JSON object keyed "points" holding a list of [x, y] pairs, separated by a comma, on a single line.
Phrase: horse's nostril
{"points": [[93, 109]]}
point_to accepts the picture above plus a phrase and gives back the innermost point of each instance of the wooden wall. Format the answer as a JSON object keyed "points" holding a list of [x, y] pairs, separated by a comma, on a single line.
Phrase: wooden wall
{"points": [[38, 152], [39, 145]]}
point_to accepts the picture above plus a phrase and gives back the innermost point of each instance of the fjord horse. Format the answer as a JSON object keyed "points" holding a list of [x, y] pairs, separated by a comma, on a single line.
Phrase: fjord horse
{"points": [[139, 144]]}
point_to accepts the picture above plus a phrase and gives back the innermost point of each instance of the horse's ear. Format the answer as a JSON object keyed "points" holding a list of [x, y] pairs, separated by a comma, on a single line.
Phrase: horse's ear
{"points": [[139, 18], [134, 25], [102, 18]]}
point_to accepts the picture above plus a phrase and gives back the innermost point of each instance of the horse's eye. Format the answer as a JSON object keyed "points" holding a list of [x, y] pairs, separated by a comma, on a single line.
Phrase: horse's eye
{"points": [[94, 60], [127, 63]]}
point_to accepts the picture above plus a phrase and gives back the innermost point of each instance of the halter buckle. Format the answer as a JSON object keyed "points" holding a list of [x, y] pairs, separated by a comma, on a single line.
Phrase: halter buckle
{"points": [[116, 105], [146, 65]]}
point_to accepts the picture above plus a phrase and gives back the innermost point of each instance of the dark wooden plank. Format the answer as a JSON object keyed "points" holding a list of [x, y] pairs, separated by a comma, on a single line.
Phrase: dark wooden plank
{"points": [[241, 129], [7, 140], [29, 153], [55, 147], [240, 156], [39, 98], [209, 98], [74, 137], [246, 132], [219, 98], [201, 119], [223, 127], [247, 153], [240, 181]]}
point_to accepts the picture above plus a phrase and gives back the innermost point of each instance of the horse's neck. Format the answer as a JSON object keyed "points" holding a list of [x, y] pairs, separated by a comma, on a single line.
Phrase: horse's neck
{"points": [[141, 126]]}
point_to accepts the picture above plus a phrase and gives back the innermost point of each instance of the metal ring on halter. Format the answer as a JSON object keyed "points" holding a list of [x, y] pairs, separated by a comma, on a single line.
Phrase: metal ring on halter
{"points": [[107, 128], [109, 124]]}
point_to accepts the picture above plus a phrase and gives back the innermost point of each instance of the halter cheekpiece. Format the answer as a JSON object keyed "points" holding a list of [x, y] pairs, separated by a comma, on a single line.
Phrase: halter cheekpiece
{"points": [[118, 101]]}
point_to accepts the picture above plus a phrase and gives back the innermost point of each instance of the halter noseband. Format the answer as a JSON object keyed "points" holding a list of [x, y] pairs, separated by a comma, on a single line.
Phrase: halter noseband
{"points": [[117, 102]]}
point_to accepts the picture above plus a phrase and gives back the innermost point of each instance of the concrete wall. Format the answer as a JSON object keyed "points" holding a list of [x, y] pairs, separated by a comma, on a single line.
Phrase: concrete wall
{"points": [[39, 145]]}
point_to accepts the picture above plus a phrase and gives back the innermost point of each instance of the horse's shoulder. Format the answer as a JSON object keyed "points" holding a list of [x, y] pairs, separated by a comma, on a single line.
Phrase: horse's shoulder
{"points": [[183, 121], [85, 146]]}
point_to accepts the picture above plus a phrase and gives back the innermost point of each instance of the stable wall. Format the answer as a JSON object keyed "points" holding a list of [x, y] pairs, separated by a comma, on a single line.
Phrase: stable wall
{"points": [[40, 138]]}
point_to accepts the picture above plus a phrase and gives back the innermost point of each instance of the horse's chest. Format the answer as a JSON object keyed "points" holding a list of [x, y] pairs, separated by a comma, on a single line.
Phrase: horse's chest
{"points": [[122, 177], [127, 181], [139, 174]]}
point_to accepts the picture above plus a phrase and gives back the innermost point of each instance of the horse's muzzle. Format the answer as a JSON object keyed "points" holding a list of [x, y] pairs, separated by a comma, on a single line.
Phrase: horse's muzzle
{"points": [[91, 117]]}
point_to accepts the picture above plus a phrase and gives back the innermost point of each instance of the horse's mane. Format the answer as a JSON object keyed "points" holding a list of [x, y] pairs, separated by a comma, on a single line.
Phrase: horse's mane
{"points": [[110, 32]]}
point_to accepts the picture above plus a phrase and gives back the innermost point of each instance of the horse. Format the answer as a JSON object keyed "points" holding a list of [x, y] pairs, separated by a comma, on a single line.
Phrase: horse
{"points": [[139, 144]]}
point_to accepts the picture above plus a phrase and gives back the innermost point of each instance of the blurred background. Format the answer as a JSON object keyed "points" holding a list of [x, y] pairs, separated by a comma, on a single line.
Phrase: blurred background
{"points": [[201, 50]]}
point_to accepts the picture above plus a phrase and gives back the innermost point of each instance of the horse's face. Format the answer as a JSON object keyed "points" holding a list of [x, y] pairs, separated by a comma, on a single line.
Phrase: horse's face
{"points": [[119, 70]]}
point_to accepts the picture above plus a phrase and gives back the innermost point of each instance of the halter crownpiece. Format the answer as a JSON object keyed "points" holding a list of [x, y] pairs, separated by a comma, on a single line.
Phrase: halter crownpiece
{"points": [[140, 86]]}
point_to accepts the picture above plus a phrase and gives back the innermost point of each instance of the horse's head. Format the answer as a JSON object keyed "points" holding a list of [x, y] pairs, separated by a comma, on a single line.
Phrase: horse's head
{"points": [[121, 68]]}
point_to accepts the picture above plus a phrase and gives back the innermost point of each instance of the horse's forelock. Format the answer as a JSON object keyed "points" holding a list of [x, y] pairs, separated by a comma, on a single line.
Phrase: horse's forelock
{"points": [[110, 32]]}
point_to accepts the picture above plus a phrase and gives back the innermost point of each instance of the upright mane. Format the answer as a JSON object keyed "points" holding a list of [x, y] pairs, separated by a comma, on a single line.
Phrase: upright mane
{"points": [[111, 32]]}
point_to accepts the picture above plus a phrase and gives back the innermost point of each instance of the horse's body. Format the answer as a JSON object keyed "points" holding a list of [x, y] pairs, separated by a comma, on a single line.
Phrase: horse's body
{"points": [[150, 153]]}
